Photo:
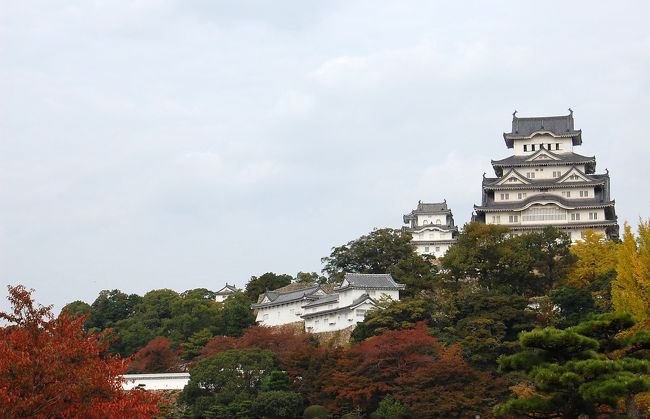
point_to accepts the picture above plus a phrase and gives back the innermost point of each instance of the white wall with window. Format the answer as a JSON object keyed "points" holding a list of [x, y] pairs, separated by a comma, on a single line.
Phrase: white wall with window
{"points": [[280, 314], [531, 145], [544, 214]]}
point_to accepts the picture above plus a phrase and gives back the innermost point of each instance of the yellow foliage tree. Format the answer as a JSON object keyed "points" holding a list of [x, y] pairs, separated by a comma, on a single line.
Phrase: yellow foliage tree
{"points": [[596, 257], [631, 288]]}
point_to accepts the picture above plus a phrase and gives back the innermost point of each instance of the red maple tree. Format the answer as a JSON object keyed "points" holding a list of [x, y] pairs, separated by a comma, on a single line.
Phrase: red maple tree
{"points": [[307, 363], [155, 357], [51, 367], [430, 378]]}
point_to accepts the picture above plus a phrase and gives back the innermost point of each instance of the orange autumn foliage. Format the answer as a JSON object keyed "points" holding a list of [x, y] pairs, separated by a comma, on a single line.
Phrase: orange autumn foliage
{"points": [[155, 357], [308, 364], [430, 378], [50, 367]]}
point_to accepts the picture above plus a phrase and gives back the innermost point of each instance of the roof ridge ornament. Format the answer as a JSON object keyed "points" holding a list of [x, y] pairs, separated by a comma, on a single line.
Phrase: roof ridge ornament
{"points": [[515, 121]]}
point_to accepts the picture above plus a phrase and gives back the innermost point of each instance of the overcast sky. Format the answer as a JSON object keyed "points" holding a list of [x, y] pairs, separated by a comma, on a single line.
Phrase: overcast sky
{"points": [[182, 144]]}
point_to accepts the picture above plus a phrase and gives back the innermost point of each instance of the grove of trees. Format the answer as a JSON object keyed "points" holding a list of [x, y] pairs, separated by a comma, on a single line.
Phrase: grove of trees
{"points": [[502, 326], [50, 367]]}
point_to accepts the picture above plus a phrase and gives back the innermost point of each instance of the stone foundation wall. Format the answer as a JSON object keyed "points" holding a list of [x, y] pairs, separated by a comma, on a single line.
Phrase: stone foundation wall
{"points": [[336, 337], [333, 338]]}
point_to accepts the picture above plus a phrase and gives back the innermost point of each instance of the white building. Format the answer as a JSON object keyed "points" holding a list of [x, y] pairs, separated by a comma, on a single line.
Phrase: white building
{"points": [[284, 305], [349, 302], [545, 183], [432, 227], [345, 306], [164, 381], [224, 292]]}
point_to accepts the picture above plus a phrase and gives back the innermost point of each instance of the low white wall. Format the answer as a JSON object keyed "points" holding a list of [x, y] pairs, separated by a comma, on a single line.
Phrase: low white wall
{"points": [[166, 381]]}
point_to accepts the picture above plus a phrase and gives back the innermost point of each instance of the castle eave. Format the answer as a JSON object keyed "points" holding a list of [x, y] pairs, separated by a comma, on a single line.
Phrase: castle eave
{"points": [[543, 200], [568, 226]]}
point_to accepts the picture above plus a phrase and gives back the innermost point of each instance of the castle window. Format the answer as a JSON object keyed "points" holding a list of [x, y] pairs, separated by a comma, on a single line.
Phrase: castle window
{"points": [[521, 195], [584, 194], [549, 146], [557, 173], [593, 215], [532, 147], [525, 147], [426, 249], [513, 218], [530, 175], [437, 248], [544, 214], [557, 146], [512, 179], [505, 196], [575, 216]]}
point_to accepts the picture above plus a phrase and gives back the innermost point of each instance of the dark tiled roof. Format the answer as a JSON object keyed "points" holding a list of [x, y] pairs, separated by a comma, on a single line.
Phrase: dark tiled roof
{"points": [[569, 226], [356, 302], [435, 242], [228, 289], [558, 126], [490, 183], [562, 158], [326, 299], [276, 297], [568, 203], [430, 208], [370, 281], [431, 226]]}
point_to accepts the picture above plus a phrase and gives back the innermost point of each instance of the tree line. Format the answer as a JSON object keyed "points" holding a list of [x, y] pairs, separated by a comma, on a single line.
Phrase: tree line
{"points": [[503, 325]]}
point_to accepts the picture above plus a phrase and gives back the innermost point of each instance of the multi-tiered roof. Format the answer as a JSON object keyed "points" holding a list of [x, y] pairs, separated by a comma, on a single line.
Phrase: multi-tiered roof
{"points": [[427, 218], [569, 195]]}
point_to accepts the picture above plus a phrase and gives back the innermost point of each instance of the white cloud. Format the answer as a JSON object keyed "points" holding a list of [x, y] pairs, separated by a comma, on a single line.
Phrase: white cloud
{"points": [[209, 167], [424, 61], [293, 104]]}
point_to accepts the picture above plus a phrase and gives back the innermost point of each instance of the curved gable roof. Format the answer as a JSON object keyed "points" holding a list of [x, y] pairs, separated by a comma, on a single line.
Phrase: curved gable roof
{"points": [[557, 126]]}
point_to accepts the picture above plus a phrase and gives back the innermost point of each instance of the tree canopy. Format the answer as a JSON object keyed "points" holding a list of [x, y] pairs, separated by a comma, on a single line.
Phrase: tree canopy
{"points": [[631, 288], [428, 377], [374, 253], [530, 264], [240, 383], [50, 367], [382, 251], [575, 371], [257, 285]]}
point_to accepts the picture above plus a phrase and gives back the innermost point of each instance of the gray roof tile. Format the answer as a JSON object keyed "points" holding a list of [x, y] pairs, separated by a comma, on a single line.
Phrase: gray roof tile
{"points": [[561, 126], [357, 301], [287, 297], [371, 281], [562, 158], [569, 203], [326, 299]]}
